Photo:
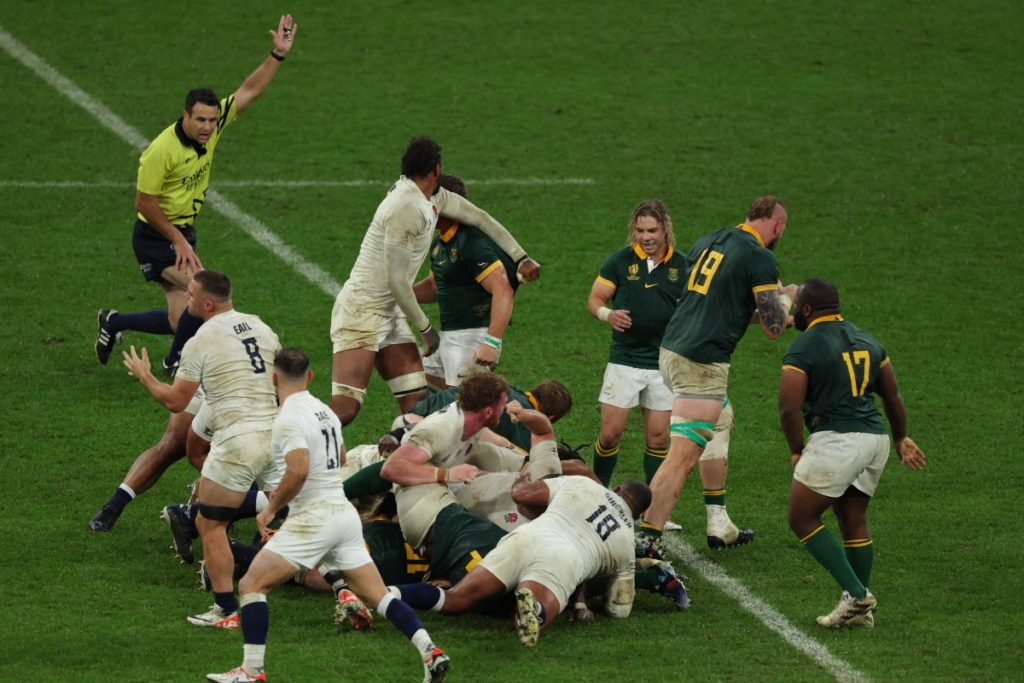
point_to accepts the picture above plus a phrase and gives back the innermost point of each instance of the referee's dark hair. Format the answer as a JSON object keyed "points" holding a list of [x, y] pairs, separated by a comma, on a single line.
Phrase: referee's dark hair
{"points": [[821, 295], [291, 362], [421, 157], [201, 96], [214, 283]]}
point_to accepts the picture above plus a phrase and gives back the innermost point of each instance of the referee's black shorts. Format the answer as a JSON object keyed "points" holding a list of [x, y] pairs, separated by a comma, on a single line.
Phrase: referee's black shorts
{"points": [[154, 252]]}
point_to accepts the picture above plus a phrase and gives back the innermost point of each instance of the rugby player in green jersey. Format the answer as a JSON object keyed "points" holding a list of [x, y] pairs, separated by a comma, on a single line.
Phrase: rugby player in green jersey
{"points": [[830, 376], [732, 275], [474, 284], [549, 397], [636, 292]]}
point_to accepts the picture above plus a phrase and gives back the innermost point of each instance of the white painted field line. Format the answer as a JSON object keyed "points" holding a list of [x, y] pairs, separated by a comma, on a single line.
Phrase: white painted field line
{"points": [[218, 202], [101, 184], [765, 613]]}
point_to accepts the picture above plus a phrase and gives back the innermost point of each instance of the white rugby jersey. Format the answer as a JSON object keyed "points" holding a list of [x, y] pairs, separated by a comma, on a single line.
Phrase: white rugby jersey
{"points": [[596, 522], [306, 423], [232, 357], [405, 218], [440, 435]]}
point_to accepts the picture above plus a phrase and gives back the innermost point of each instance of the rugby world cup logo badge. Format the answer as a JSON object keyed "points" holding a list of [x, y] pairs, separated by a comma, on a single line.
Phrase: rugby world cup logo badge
{"points": [[633, 270]]}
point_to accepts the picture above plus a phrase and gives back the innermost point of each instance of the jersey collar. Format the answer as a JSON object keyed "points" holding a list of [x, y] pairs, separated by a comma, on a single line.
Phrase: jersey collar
{"points": [[825, 319], [533, 401], [746, 228], [186, 141], [641, 254], [449, 234]]}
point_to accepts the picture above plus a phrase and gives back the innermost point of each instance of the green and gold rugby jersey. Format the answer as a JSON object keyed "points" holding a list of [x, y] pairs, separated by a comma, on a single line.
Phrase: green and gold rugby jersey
{"points": [[725, 270], [841, 362], [397, 562], [176, 168], [649, 294], [460, 260]]}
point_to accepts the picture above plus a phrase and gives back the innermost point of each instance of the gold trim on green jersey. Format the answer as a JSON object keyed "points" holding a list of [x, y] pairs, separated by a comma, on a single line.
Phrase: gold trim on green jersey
{"points": [[639, 251], [533, 401], [487, 271], [793, 367], [449, 234], [747, 228], [606, 283], [825, 319]]}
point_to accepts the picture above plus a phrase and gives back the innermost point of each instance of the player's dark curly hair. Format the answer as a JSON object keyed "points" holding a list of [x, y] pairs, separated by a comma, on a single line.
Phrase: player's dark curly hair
{"points": [[821, 295], [421, 158], [481, 389], [637, 496], [453, 183], [201, 96], [567, 452], [292, 363], [763, 207], [553, 399]]}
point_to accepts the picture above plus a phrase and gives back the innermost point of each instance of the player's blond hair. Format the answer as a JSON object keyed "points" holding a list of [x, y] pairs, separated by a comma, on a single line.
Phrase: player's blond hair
{"points": [[656, 210]]}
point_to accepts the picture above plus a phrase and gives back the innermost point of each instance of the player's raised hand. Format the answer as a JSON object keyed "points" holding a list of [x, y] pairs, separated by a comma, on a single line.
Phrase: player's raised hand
{"points": [[137, 365], [910, 454], [284, 35], [514, 409]]}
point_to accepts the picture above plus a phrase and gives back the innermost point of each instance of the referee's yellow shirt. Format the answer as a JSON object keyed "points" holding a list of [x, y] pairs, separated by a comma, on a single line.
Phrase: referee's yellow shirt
{"points": [[176, 169]]}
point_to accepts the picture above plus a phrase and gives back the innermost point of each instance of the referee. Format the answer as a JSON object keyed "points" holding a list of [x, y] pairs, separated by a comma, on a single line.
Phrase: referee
{"points": [[174, 174]]}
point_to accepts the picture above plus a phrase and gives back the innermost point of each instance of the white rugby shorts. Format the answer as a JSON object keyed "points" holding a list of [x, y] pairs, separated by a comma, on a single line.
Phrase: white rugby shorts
{"points": [[834, 461], [322, 531], [628, 387]]}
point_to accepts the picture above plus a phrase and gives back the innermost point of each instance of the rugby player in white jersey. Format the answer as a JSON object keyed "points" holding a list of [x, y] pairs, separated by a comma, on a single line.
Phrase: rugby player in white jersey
{"points": [[369, 325], [585, 531], [231, 355], [321, 525]]}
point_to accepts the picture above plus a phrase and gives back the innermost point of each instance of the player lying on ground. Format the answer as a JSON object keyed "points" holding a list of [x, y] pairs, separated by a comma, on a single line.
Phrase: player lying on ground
{"points": [[585, 531]]}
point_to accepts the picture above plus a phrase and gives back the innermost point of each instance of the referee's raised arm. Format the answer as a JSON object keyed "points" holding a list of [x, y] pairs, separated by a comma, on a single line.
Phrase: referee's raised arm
{"points": [[259, 79]]}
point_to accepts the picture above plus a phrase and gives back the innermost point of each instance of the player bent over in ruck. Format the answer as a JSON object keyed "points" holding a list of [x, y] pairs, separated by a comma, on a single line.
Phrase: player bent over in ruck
{"points": [[585, 531], [829, 377], [322, 525]]}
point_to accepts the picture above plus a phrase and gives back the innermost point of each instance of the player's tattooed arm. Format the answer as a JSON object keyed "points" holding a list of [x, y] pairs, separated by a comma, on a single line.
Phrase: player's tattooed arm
{"points": [[772, 316]]}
